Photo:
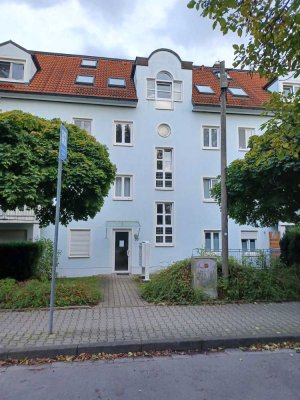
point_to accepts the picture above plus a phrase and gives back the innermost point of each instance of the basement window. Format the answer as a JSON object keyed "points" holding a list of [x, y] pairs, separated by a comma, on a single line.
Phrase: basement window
{"points": [[116, 82], [85, 79]]}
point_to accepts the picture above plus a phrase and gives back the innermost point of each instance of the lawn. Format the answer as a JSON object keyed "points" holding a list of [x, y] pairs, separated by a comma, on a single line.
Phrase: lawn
{"points": [[36, 294]]}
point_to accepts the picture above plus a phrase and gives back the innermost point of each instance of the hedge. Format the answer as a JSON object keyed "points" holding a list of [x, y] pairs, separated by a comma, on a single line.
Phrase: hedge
{"points": [[290, 246], [18, 260]]}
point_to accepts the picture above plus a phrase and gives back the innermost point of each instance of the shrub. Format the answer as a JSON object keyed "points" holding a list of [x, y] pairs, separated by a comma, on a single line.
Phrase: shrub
{"points": [[290, 246], [18, 260], [172, 285], [276, 283], [35, 294], [43, 268]]}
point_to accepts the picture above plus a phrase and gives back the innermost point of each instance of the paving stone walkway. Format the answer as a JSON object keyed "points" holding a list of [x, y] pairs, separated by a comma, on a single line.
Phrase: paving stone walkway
{"points": [[120, 291], [124, 318]]}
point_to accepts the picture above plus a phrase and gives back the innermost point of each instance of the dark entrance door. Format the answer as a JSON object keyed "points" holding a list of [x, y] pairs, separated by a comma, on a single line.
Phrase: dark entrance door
{"points": [[121, 251]]}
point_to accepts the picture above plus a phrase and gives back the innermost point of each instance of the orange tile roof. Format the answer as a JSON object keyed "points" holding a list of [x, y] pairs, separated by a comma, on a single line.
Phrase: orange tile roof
{"points": [[251, 83], [57, 75]]}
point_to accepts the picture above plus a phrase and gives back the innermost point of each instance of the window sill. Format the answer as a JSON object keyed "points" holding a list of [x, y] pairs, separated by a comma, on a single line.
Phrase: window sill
{"points": [[121, 199], [209, 201], [79, 256], [164, 244], [164, 189], [123, 144], [210, 148], [244, 150]]}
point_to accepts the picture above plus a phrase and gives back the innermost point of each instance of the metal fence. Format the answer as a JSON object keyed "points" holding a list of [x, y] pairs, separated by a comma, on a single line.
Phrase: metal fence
{"points": [[258, 258]]}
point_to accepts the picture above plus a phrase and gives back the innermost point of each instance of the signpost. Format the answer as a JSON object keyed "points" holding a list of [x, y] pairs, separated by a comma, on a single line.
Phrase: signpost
{"points": [[62, 156]]}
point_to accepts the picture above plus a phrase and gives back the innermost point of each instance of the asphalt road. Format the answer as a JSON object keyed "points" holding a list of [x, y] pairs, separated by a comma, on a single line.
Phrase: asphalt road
{"points": [[233, 375]]}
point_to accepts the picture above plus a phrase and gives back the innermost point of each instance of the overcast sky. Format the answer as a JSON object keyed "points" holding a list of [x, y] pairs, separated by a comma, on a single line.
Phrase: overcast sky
{"points": [[114, 28]]}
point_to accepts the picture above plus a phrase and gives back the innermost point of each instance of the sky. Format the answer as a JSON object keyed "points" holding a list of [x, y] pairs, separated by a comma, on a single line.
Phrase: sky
{"points": [[114, 28]]}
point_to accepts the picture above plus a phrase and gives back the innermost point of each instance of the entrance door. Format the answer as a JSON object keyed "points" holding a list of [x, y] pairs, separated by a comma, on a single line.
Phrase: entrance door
{"points": [[121, 251]]}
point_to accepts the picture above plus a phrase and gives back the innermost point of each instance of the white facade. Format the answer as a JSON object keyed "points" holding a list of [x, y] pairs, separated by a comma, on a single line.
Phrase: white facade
{"points": [[164, 172]]}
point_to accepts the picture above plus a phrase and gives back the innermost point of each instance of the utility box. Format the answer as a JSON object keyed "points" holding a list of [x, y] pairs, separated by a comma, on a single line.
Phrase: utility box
{"points": [[144, 258], [204, 273]]}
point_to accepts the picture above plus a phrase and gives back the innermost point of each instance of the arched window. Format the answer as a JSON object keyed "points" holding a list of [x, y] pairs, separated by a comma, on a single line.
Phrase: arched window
{"points": [[164, 89]]}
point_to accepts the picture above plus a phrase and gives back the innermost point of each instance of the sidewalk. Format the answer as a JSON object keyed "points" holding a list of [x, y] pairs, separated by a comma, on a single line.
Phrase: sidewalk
{"points": [[137, 326]]}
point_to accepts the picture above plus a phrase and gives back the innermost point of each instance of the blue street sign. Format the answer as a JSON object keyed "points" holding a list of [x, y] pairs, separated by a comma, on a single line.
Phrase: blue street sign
{"points": [[63, 143]]}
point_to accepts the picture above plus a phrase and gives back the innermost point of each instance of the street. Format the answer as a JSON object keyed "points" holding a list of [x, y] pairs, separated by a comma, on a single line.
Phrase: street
{"points": [[233, 375]]}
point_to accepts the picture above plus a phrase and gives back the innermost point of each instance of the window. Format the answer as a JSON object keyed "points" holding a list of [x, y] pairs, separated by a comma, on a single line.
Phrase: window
{"points": [[88, 63], [123, 187], [117, 82], [237, 91], [80, 243], [164, 224], [123, 133], [244, 135], [164, 169], [208, 184], [212, 240], [164, 130], [204, 89], [10, 70], [164, 89], [248, 240], [290, 89], [210, 137], [85, 124], [85, 79]]}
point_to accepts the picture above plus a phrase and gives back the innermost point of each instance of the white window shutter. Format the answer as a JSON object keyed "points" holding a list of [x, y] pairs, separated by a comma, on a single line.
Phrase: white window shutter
{"points": [[249, 235], [80, 243]]}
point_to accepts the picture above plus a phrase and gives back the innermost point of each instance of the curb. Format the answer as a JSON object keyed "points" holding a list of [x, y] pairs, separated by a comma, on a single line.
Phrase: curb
{"points": [[193, 344]]}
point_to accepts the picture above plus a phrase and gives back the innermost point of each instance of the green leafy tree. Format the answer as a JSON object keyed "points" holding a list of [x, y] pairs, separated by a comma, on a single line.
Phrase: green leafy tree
{"points": [[28, 168], [270, 27], [264, 187]]}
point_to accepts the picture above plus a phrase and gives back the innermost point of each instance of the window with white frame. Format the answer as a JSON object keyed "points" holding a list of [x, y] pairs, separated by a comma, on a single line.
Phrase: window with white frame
{"points": [[83, 123], [212, 240], [208, 184], [79, 243], [123, 187], [290, 89], [164, 88], [248, 240], [123, 133], [164, 230], [244, 135], [211, 137], [12, 70], [164, 169]]}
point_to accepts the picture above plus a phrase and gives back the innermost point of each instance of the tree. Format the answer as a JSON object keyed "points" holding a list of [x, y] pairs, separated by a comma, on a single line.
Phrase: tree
{"points": [[264, 187], [28, 168], [271, 27]]}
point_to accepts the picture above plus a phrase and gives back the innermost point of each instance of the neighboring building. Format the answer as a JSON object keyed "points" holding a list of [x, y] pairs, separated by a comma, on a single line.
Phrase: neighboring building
{"points": [[160, 118]]}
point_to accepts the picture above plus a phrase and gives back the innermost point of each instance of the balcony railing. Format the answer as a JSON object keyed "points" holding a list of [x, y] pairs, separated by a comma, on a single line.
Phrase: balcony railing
{"points": [[18, 215], [257, 258]]}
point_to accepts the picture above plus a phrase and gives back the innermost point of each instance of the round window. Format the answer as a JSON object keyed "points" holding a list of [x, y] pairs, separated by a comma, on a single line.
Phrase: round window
{"points": [[164, 130]]}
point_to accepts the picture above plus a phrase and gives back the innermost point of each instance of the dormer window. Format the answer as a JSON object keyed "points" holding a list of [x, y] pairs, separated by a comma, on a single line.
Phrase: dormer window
{"points": [[12, 70], [88, 63], [290, 89], [204, 89], [117, 82], [164, 89], [85, 79], [235, 91]]}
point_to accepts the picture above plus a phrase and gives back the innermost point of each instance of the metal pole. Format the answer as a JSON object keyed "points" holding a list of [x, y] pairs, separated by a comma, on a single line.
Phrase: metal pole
{"points": [[54, 264], [224, 86]]}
